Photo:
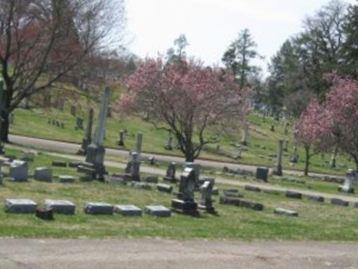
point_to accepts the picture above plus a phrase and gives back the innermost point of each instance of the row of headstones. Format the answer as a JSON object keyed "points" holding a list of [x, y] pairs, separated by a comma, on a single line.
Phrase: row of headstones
{"points": [[73, 111], [61, 124], [69, 208]]}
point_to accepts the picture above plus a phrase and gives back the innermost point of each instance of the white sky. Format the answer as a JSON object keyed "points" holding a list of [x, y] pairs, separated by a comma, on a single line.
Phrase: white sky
{"points": [[210, 25]]}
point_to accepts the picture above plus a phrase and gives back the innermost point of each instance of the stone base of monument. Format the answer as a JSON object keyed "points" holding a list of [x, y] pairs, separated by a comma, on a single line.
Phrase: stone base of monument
{"points": [[343, 188], [98, 208], [82, 150], [128, 210], [185, 207], [164, 188], [129, 177], [20, 206], [43, 174], [170, 179], [44, 213], [208, 208], [60, 206]]}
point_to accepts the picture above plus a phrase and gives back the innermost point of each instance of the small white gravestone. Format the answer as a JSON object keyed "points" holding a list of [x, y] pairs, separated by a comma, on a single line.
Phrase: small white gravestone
{"points": [[347, 186]]}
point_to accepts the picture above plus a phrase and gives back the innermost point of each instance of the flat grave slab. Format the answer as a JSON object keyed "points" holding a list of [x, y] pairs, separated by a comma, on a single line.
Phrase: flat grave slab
{"points": [[43, 174], [252, 188], [315, 198], [164, 187], [18, 171], [66, 179], [98, 208], [285, 212], [60, 206], [20, 206], [340, 202], [158, 211], [294, 194], [128, 210], [229, 200]]}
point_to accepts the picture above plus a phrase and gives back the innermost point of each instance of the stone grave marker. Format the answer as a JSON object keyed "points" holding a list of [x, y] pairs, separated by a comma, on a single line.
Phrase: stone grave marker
{"points": [[138, 143], [184, 202], [206, 202], [60, 206], [170, 174], [164, 188], [19, 170], [66, 179], [128, 210], [285, 212], [121, 138], [340, 202], [157, 210], [278, 169], [95, 151], [98, 208], [294, 194], [20, 206], [132, 169], [43, 174], [86, 141], [262, 173], [347, 186]]}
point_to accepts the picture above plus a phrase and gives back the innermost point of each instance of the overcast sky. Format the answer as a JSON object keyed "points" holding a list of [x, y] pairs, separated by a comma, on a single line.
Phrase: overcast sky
{"points": [[210, 25]]}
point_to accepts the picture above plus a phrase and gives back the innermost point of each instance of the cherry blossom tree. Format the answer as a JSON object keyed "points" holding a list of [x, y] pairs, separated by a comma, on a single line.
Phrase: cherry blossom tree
{"points": [[190, 100]]}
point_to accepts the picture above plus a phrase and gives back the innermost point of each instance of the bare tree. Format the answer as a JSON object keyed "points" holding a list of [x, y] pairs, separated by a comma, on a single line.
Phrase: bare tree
{"points": [[42, 41]]}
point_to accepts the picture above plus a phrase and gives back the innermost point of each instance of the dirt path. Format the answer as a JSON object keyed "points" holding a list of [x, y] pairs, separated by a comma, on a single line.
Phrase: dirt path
{"points": [[161, 253]]}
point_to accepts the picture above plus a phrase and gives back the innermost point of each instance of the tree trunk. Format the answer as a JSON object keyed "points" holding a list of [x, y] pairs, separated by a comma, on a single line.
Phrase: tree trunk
{"points": [[4, 131], [307, 160]]}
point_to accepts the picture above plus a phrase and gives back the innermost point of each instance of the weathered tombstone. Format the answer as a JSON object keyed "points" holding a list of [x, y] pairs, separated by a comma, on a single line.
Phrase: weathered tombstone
{"points": [[252, 188], [169, 145], [138, 143], [73, 110], [262, 173], [86, 141], [20, 206], [340, 202], [170, 175], [164, 188], [79, 123], [245, 134], [152, 160], [294, 194], [19, 170], [347, 186], [184, 202], [121, 138], [66, 179], [95, 151], [43, 174], [128, 210], [278, 169], [196, 168], [151, 179], [206, 203], [60, 206], [96, 208], [157, 210], [132, 169], [294, 157], [285, 212]]}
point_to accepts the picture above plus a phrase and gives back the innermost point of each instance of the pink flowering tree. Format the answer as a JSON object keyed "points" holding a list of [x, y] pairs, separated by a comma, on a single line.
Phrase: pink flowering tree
{"points": [[310, 130], [341, 110], [191, 101]]}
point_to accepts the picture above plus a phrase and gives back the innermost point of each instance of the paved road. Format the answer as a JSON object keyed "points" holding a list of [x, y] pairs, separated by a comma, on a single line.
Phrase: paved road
{"points": [[160, 254], [72, 148]]}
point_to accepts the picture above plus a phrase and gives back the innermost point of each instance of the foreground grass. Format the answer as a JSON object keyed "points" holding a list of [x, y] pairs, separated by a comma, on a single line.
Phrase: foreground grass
{"points": [[315, 222]]}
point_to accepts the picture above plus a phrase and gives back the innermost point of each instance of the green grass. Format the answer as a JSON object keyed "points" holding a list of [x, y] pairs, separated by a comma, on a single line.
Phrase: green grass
{"points": [[315, 222]]}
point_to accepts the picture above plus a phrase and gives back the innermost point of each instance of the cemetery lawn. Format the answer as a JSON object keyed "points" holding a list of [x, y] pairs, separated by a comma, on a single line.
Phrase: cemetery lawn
{"points": [[316, 221], [260, 151]]}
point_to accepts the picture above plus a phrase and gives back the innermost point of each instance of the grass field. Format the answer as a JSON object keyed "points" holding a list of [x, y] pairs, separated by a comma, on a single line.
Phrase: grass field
{"points": [[315, 222], [260, 151]]}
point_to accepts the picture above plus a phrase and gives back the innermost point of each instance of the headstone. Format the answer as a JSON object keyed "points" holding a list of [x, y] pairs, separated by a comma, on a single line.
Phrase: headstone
{"points": [[285, 212], [252, 188], [240, 202], [170, 175], [278, 169], [185, 198], [86, 141], [347, 186], [128, 210], [96, 208], [151, 179], [206, 203], [294, 157], [157, 210], [43, 174], [245, 134], [164, 188], [232, 193], [169, 145], [66, 179], [19, 170], [59, 163], [121, 138], [60, 206], [73, 110], [152, 160], [340, 202], [294, 194], [79, 123], [262, 173], [95, 151], [44, 213], [196, 168], [20, 206], [88, 170], [133, 168], [316, 198], [138, 143]]}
